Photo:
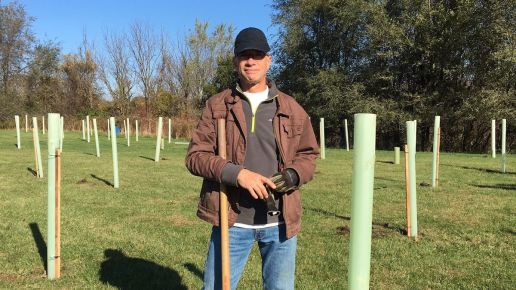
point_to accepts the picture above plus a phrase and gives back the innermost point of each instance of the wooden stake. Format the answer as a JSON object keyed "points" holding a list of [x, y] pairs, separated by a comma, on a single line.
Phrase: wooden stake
{"points": [[407, 190], [58, 215], [224, 231]]}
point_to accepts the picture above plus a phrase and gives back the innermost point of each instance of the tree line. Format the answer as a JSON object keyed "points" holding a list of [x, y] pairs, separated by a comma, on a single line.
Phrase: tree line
{"points": [[403, 60], [400, 59]]}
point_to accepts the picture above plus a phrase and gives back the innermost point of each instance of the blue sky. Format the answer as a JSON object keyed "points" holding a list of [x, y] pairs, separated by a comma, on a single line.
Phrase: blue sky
{"points": [[65, 21]]}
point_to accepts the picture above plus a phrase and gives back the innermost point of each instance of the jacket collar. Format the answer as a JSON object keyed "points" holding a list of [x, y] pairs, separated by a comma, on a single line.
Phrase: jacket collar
{"points": [[237, 94]]}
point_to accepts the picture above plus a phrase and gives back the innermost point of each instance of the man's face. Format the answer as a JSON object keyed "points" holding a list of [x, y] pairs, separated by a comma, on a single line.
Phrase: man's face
{"points": [[252, 66]]}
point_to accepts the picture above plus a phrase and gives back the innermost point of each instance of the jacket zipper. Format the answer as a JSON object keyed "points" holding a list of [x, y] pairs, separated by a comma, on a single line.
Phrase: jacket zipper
{"points": [[276, 135]]}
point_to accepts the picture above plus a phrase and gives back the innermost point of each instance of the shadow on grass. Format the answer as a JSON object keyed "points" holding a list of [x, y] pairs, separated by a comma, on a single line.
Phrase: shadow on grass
{"points": [[40, 243], [509, 231], [87, 153], [497, 186], [379, 229], [32, 171], [193, 268], [124, 272], [145, 157], [388, 162], [326, 213], [480, 169], [383, 178], [102, 179]]}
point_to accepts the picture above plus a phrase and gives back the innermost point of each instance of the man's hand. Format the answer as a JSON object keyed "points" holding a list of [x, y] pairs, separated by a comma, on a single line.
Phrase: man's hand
{"points": [[254, 183]]}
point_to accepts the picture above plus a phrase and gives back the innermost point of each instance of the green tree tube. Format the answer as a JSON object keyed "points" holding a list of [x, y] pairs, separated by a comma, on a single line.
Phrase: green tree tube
{"points": [[136, 130], [362, 201], [83, 130], [437, 125], [116, 183], [504, 136], [396, 155], [38, 149], [26, 123], [158, 138], [88, 127], [321, 137], [169, 130], [95, 133], [411, 142], [17, 121], [493, 138], [346, 133], [128, 132], [53, 142], [43, 125], [61, 132]]}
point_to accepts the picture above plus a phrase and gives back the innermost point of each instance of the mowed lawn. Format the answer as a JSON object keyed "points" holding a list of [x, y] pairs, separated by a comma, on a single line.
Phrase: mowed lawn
{"points": [[145, 235]]}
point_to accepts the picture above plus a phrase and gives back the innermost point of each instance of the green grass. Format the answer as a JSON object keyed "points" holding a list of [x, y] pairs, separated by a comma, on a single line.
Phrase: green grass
{"points": [[146, 234]]}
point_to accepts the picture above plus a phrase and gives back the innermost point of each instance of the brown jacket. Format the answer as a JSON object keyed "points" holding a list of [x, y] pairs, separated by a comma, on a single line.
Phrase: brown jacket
{"points": [[294, 136]]}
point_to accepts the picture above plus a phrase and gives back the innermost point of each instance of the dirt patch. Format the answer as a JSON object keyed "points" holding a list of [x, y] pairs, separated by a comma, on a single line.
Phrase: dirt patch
{"points": [[181, 220], [10, 277], [82, 181], [378, 230], [344, 230]]}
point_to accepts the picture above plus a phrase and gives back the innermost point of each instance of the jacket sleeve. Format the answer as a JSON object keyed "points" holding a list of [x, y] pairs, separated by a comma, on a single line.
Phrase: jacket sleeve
{"points": [[308, 150], [201, 158]]}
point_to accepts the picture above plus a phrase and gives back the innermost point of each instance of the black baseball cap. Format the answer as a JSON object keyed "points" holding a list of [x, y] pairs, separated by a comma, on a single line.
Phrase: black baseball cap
{"points": [[251, 38]]}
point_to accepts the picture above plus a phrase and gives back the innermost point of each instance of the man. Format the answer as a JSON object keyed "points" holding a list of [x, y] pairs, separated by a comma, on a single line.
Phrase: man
{"points": [[270, 145]]}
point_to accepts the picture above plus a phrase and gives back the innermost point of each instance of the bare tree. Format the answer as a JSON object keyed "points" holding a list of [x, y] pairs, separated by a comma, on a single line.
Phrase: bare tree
{"points": [[195, 63], [144, 48], [80, 76], [115, 71]]}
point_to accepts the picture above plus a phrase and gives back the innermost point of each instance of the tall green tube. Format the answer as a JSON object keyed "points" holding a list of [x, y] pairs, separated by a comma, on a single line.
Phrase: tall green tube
{"points": [[116, 183], [96, 134], [136, 130], [493, 138], [53, 143], [26, 123], [38, 149], [346, 132], [83, 130], [362, 201], [61, 132], [88, 128], [411, 142], [169, 129], [128, 132], [396, 155], [17, 121], [158, 138], [321, 139], [437, 125], [504, 136]]}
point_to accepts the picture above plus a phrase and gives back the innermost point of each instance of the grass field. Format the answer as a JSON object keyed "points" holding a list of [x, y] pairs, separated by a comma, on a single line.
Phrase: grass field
{"points": [[145, 235]]}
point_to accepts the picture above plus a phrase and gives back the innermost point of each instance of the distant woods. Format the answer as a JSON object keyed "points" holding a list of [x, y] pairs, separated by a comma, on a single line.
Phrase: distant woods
{"points": [[402, 60]]}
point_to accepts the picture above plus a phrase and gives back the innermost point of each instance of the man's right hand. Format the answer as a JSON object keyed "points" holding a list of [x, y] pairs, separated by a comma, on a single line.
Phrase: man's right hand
{"points": [[254, 183]]}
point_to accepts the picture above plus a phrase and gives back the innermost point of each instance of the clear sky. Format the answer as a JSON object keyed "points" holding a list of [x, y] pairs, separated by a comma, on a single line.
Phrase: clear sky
{"points": [[65, 21]]}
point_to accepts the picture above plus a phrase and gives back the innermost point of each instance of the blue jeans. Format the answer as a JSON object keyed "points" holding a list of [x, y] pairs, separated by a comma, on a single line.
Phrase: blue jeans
{"points": [[278, 257]]}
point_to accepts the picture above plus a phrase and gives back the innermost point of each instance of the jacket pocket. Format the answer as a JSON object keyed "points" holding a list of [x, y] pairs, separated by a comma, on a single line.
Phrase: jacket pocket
{"points": [[293, 128]]}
